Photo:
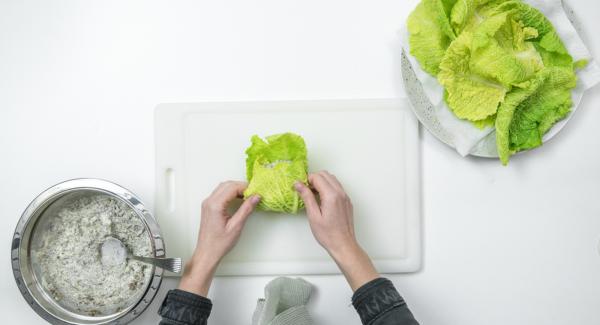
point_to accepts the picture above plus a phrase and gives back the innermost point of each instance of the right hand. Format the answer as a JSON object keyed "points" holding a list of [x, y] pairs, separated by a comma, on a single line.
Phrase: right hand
{"points": [[332, 224]]}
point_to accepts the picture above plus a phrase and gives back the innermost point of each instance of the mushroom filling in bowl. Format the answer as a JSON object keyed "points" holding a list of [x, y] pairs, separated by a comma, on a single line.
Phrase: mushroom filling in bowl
{"points": [[67, 260]]}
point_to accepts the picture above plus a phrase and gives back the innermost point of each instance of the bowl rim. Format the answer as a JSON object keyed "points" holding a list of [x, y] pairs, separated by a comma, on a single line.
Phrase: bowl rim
{"points": [[27, 220]]}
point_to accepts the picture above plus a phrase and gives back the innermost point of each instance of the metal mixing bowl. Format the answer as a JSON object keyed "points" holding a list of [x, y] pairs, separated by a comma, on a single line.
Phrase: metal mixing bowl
{"points": [[23, 269]]}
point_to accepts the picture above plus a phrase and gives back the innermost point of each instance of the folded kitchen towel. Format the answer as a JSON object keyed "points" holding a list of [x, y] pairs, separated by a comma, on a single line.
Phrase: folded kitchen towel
{"points": [[284, 303]]}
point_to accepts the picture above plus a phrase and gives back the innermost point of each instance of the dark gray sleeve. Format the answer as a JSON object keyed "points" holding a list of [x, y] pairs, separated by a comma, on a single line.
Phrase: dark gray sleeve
{"points": [[184, 308], [379, 303]]}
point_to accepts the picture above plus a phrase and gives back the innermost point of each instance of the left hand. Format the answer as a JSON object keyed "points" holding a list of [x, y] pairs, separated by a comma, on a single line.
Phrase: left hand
{"points": [[219, 232]]}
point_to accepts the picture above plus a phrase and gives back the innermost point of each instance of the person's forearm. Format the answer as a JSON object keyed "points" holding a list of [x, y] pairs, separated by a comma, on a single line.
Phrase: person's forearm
{"points": [[198, 274], [219, 232], [356, 265]]}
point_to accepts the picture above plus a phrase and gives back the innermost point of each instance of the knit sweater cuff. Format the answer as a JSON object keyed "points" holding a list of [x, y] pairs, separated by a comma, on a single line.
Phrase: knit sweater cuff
{"points": [[375, 298], [182, 307]]}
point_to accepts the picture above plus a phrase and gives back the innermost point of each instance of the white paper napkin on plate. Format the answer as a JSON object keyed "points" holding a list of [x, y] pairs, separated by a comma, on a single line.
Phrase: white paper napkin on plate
{"points": [[466, 135]]}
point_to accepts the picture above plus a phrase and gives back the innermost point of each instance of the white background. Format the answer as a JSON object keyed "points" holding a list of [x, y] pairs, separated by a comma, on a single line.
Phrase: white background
{"points": [[79, 81]]}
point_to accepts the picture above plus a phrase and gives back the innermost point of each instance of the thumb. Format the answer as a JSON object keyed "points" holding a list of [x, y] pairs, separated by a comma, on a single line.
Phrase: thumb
{"points": [[244, 211], [312, 207]]}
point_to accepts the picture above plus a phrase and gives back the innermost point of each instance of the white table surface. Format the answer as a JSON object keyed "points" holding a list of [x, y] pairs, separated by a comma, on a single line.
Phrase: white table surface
{"points": [[79, 81]]}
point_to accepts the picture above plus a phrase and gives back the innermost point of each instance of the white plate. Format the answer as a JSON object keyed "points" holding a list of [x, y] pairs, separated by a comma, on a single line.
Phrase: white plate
{"points": [[425, 111]]}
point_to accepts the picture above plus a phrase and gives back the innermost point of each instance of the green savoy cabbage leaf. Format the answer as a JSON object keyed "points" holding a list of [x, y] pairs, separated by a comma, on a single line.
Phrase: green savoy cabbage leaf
{"points": [[430, 33], [501, 63], [468, 95], [273, 166], [529, 112]]}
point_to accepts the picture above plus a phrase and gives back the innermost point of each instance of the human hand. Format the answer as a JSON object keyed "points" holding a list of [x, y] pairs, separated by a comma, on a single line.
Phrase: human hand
{"points": [[219, 232], [331, 222]]}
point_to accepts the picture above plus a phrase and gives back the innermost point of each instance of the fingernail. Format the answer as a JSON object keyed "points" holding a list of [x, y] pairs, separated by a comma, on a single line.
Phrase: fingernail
{"points": [[298, 186], [255, 199]]}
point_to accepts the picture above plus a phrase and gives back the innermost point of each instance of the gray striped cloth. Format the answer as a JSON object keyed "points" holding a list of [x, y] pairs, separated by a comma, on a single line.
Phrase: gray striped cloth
{"points": [[284, 303]]}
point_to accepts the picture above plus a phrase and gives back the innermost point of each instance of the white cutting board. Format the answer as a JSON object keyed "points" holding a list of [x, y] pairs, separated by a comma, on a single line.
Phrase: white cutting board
{"points": [[370, 145]]}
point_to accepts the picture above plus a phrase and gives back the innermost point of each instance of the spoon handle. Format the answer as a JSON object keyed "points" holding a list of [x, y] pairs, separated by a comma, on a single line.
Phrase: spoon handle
{"points": [[167, 263]]}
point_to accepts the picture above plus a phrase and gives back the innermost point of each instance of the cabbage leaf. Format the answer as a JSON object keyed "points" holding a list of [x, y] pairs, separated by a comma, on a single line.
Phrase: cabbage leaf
{"points": [[273, 166]]}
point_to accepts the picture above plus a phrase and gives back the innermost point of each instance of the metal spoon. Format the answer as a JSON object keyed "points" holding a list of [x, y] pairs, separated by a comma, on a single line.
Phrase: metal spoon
{"points": [[113, 252]]}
